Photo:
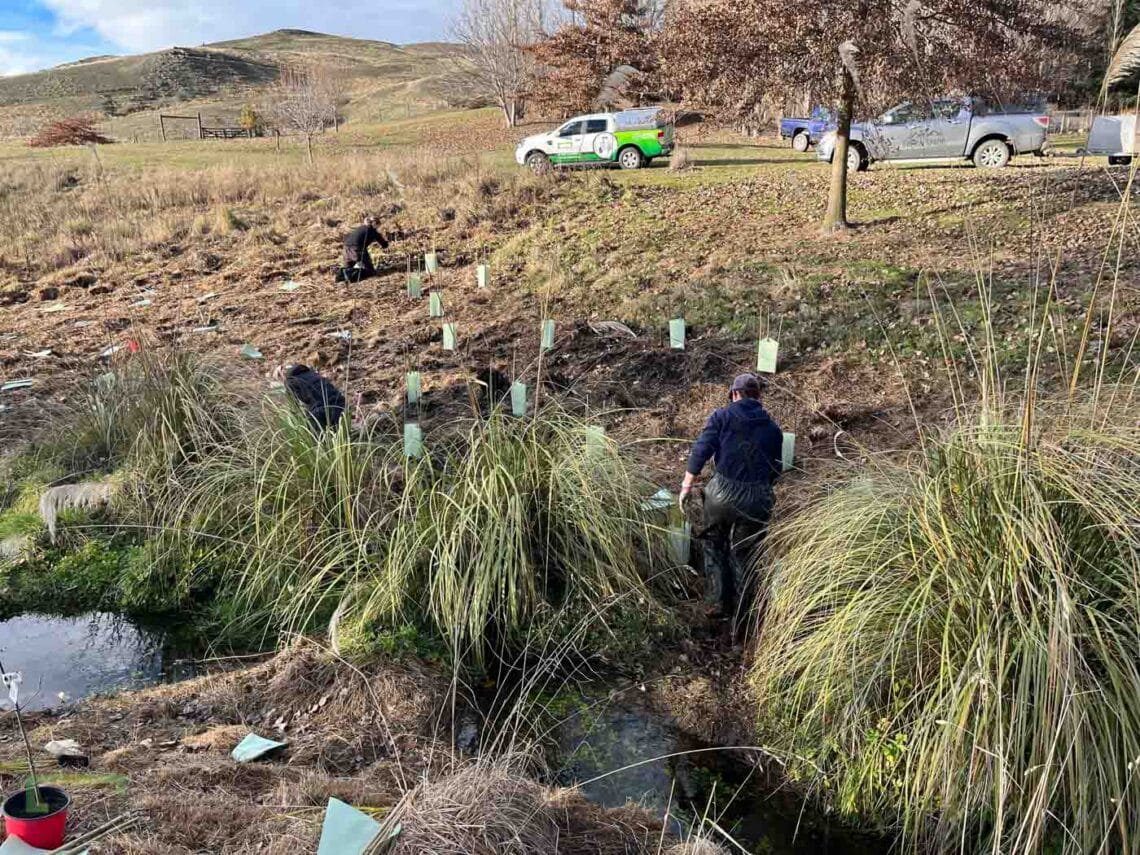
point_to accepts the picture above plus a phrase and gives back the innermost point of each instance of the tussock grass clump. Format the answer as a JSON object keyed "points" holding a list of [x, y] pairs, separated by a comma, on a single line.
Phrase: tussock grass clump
{"points": [[479, 809], [520, 523], [951, 643]]}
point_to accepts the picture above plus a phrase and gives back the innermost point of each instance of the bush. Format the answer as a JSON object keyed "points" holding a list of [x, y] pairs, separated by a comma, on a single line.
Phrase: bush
{"points": [[951, 644]]}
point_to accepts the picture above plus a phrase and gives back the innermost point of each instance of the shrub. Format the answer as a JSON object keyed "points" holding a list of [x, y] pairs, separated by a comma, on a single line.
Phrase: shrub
{"points": [[950, 643], [78, 130]]}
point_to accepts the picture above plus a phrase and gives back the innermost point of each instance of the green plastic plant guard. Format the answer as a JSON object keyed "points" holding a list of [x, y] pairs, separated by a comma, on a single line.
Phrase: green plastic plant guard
{"points": [[482, 275], [435, 305], [347, 831], [677, 333], [518, 398], [680, 541], [431, 262], [662, 500], [413, 381], [449, 336], [289, 286], [15, 846], [12, 385], [788, 455], [413, 440], [766, 355], [254, 747], [250, 352], [595, 438], [547, 335], [415, 285]]}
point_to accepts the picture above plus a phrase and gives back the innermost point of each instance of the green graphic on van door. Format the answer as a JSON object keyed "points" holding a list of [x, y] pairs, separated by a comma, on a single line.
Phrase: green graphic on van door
{"points": [[631, 138]]}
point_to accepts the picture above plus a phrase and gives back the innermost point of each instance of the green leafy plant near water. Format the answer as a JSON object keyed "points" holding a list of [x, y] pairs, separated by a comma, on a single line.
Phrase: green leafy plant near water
{"points": [[950, 639]]}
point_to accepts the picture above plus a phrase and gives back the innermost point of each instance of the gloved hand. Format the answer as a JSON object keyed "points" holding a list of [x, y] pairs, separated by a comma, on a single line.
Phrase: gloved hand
{"points": [[683, 498]]}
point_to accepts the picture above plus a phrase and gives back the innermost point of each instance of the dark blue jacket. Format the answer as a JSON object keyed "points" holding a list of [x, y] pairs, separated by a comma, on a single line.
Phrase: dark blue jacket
{"points": [[745, 441], [321, 399]]}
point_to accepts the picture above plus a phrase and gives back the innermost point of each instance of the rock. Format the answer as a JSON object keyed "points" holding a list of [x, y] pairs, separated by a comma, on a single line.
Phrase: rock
{"points": [[66, 752], [46, 295]]}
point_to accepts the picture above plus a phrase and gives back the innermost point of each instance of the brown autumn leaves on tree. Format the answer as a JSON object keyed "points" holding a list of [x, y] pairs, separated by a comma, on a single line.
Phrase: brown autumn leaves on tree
{"points": [[574, 61], [858, 55], [733, 58]]}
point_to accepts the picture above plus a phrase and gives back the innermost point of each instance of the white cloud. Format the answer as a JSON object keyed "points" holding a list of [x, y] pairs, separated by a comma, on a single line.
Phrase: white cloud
{"points": [[10, 36], [145, 25]]}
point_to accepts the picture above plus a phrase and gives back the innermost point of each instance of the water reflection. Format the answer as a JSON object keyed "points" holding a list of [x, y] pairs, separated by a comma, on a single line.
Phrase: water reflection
{"points": [[65, 659]]}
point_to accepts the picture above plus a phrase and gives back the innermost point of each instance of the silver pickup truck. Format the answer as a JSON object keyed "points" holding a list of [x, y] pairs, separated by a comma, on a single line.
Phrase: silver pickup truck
{"points": [[947, 129]]}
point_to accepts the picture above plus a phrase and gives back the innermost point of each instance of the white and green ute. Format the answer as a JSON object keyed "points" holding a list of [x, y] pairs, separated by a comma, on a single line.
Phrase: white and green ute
{"points": [[631, 139]]}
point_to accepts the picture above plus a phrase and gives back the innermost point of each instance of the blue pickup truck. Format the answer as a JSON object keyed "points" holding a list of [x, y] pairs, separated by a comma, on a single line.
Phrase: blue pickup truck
{"points": [[806, 132]]}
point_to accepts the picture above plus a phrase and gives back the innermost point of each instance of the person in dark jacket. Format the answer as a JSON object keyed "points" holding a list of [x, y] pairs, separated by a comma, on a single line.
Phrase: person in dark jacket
{"points": [[356, 243], [321, 399], [747, 446]]}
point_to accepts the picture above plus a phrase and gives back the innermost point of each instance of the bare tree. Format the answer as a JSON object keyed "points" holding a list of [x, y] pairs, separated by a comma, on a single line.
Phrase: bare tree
{"points": [[496, 34], [305, 101]]}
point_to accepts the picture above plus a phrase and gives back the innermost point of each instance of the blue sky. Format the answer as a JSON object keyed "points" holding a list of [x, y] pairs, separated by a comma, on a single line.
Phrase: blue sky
{"points": [[35, 34]]}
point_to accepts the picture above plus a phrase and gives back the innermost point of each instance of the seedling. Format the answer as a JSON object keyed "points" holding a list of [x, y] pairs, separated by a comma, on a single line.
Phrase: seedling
{"points": [[677, 333], [766, 354], [33, 804]]}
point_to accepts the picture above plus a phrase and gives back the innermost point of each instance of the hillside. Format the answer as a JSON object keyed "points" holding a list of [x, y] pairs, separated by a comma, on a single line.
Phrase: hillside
{"points": [[217, 79]]}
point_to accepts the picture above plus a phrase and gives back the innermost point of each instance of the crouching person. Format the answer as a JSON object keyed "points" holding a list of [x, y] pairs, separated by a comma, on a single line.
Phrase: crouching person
{"points": [[746, 445], [323, 401]]}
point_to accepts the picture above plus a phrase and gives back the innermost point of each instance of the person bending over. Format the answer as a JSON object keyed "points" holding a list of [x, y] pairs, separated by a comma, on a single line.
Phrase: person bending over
{"points": [[357, 261]]}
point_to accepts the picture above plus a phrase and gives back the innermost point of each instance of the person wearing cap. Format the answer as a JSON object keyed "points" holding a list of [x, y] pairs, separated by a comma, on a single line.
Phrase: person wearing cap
{"points": [[357, 261], [323, 401], [747, 446]]}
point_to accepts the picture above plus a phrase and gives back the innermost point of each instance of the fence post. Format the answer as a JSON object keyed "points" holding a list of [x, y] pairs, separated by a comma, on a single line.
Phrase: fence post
{"points": [[200, 126], [162, 126]]}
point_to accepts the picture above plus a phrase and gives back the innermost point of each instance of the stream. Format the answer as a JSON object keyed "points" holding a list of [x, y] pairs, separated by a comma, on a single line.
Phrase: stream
{"points": [[597, 739], [65, 659], [599, 735]]}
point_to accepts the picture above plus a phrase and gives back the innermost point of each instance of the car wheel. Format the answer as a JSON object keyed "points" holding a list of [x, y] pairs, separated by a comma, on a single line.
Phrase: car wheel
{"points": [[538, 163], [992, 154], [631, 158], [801, 141], [855, 162]]}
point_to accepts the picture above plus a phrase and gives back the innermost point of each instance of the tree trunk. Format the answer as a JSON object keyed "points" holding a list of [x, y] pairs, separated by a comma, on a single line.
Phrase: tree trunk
{"points": [[836, 217], [309, 147]]}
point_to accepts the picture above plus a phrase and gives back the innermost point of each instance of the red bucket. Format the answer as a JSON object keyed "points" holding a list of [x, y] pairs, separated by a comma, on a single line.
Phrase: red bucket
{"points": [[43, 830]]}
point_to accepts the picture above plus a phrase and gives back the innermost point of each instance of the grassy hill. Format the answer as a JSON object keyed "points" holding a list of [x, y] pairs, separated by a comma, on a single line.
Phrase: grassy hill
{"points": [[379, 79]]}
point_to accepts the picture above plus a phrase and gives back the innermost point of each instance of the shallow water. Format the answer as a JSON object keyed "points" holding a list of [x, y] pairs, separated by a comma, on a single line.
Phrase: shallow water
{"points": [[599, 736], [66, 659]]}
